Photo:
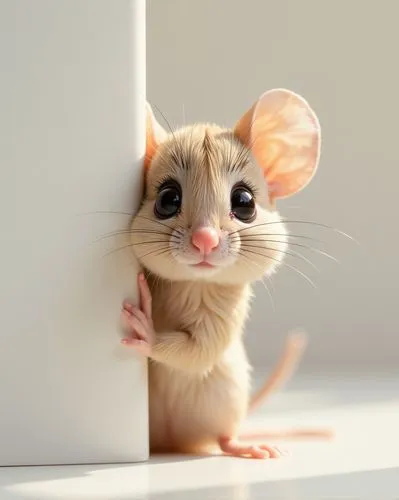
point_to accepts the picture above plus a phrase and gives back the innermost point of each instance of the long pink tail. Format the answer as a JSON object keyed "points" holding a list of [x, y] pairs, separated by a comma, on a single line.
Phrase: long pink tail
{"points": [[292, 354]]}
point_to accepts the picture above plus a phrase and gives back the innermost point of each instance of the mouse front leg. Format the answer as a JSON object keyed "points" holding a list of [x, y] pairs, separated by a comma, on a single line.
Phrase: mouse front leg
{"points": [[137, 321], [194, 351]]}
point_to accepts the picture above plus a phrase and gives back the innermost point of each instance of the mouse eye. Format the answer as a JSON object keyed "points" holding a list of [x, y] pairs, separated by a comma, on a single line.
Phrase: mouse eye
{"points": [[168, 202], [243, 204]]}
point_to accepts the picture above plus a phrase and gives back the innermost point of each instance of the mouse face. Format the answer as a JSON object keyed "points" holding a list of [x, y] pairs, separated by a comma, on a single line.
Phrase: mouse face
{"points": [[206, 214], [208, 211]]}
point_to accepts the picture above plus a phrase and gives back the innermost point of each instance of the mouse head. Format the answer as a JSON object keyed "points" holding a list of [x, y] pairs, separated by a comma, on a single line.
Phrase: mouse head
{"points": [[209, 206]]}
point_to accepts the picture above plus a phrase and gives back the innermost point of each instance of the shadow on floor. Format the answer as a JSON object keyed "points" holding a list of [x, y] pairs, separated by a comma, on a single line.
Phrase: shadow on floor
{"points": [[320, 391], [373, 485], [37, 475]]}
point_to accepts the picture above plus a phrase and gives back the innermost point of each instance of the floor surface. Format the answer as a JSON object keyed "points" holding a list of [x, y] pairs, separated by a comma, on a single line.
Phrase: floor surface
{"points": [[361, 462]]}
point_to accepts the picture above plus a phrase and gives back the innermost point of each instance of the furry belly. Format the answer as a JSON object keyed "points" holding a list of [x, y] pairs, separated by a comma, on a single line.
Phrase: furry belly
{"points": [[189, 413]]}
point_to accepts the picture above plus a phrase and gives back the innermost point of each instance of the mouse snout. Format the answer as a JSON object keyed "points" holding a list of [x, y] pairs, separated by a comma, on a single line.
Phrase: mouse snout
{"points": [[205, 239]]}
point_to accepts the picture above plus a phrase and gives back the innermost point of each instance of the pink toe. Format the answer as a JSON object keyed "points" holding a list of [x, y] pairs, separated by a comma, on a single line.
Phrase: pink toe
{"points": [[127, 306], [272, 451], [258, 452]]}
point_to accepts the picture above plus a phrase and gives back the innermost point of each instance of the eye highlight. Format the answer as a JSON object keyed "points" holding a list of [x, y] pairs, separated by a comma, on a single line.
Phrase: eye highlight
{"points": [[169, 200], [243, 204]]}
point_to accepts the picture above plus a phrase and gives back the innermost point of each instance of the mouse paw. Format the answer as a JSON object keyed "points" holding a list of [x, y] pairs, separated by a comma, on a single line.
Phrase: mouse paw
{"points": [[137, 321], [237, 449]]}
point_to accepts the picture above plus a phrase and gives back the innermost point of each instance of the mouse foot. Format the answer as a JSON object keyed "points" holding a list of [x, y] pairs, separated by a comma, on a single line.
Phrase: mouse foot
{"points": [[237, 449]]}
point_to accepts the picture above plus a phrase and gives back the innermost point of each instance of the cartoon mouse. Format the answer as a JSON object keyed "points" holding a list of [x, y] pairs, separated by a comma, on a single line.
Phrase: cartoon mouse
{"points": [[208, 229]]}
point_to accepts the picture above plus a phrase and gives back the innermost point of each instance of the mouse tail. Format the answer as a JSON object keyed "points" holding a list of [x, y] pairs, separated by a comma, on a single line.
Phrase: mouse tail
{"points": [[300, 433], [292, 354]]}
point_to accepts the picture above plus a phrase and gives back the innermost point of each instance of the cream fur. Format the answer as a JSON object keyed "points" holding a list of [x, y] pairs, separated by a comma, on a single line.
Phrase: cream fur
{"points": [[199, 374]]}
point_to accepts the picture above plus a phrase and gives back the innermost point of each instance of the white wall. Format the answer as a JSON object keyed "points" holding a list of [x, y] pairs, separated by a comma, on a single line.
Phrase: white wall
{"points": [[214, 57], [72, 109]]}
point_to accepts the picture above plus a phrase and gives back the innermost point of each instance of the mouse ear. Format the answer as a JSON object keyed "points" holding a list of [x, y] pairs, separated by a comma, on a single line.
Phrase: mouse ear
{"points": [[283, 134], [155, 134]]}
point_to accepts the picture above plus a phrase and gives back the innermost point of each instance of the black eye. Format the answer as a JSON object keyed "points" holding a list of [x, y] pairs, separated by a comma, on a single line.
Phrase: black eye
{"points": [[168, 202], [243, 204]]}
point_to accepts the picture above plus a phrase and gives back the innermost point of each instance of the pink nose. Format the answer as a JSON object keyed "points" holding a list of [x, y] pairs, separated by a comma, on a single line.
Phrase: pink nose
{"points": [[205, 239]]}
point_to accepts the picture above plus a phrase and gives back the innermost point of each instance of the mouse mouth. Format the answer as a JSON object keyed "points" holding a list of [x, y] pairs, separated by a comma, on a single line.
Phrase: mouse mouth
{"points": [[204, 265]]}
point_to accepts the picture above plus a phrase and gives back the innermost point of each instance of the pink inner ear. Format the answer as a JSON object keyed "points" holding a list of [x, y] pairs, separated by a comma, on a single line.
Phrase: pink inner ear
{"points": [[150, 147], [285, 141], [155, 134]]}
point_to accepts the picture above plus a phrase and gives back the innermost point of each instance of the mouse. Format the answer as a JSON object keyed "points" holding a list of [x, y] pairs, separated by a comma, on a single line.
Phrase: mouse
{"points": [[207, 229]]}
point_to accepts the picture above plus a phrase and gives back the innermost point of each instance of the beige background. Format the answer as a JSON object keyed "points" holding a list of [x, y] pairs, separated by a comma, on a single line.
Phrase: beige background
{"points": [[211, 59]]}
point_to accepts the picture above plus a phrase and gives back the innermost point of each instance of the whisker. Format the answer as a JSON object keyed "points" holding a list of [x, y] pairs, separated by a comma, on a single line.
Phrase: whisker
{"points": [[315, 250], [112, 234], [161, 223], [135, 231], [107, 212], [288, 235], [166, 120], [287, 221], [285, 252], [179, 144], [293, 243], [324, 226], [156, 221], [286, 265], [263, 283], [149, 242], [115, 250], [155, 252]]}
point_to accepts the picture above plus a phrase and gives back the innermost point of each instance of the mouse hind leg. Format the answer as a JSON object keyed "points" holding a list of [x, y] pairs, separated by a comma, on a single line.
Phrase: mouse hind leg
{"points": [[237, 448]]}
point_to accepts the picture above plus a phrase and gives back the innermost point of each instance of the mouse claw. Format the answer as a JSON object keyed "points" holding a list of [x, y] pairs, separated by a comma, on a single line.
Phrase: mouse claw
{"points": [[140, 332], [139, 345], [237, 449]]}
